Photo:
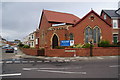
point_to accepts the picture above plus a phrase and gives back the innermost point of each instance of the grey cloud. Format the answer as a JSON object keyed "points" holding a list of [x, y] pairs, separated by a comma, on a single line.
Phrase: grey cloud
{"points": [[21, 18]]}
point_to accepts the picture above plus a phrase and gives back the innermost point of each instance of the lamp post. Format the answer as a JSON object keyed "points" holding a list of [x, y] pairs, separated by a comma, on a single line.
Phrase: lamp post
{"points": [[91, 48]]}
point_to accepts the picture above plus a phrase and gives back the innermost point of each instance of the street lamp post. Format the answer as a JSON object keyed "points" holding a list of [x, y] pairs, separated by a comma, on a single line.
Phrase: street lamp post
{"points": [[91, 48]]}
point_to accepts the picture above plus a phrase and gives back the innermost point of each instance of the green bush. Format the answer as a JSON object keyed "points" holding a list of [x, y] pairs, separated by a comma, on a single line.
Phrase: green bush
{"points": [[114, 45], [87, 45], [104, 43], [20, 45], [78, 46], [59, 47], [26, 46]]}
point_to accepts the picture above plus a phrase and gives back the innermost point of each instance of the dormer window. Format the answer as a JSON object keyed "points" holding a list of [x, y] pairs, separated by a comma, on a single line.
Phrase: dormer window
{"points": [[105, 16]]}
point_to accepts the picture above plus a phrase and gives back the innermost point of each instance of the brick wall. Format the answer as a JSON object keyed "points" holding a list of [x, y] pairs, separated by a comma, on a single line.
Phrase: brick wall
{"points": [[33, 52], [97, 51]]}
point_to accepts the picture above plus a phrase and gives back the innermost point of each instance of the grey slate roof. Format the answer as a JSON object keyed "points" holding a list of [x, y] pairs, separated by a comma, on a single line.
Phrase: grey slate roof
{"points": [[111, 13]]}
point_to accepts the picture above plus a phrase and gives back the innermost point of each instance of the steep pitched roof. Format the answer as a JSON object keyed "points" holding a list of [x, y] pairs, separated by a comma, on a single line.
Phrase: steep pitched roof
{"points": [[88, 15], [53, 16], [111, 13]]}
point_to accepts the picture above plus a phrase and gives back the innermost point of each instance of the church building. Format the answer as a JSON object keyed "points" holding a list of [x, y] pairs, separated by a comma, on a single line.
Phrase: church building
{"points": [[57, 26]]}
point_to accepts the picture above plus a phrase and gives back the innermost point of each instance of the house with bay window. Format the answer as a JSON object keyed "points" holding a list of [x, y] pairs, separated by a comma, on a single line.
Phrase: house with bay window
{"points": [[112, 17]]}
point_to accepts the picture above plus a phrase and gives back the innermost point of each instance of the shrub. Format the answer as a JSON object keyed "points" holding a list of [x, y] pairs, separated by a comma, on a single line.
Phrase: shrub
{"points": [[20, 45], [104, 43], [78, 46], [26, 46], [59, 47], [87, 45]]}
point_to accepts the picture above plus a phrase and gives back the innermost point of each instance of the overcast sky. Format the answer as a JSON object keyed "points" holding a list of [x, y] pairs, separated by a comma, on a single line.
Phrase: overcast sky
{"points": [[21, 18]]}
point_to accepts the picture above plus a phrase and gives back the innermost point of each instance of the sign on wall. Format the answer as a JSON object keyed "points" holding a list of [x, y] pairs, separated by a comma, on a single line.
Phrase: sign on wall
{"points": [[67, 43]]}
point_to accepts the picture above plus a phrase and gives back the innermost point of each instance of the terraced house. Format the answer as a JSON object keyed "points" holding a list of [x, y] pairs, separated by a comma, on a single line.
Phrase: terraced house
{"points": [[113, 18]]}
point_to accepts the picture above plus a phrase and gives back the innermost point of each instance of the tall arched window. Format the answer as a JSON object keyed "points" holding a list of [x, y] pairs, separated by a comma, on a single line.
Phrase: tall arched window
{"points": [[96, 35], [88, 34], [71, 36]]}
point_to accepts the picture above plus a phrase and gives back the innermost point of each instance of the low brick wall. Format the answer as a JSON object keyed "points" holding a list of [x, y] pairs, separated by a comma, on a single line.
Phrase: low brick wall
{"points": [[97, 51], [33, 52]]}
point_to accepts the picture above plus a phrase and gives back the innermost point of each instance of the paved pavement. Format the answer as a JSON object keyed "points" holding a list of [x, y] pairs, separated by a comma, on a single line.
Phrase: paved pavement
{"points": [[20, 54]]}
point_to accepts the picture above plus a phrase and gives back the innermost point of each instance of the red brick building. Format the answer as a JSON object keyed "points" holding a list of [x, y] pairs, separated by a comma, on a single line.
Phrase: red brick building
{"points": [[112, 17], [57, 26]]}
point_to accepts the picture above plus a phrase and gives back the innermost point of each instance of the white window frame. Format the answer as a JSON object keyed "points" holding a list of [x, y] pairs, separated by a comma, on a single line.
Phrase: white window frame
{"points": [[105, 17], [115, 21]]}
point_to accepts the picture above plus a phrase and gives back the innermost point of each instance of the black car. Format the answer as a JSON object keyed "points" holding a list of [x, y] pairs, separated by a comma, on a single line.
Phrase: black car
{"points": [[8, 49]]}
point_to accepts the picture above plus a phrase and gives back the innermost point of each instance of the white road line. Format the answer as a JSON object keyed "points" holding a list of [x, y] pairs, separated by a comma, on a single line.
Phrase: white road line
{"points": [[16, 74], [60, 61], [67, 60], [113, 56], [63, 72], [17, 61], [100, 58], [28, 69], [24, 61], [114, 66], [85, 58], [46, 61], [51, 68], [9, 61], [39, 61], [31, 61], [1, 62], [73, 60]]}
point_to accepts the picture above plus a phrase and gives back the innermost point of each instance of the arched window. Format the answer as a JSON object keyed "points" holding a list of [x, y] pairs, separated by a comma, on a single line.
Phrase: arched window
{"points": [[96, 35], [88, 34], [71, 36]]}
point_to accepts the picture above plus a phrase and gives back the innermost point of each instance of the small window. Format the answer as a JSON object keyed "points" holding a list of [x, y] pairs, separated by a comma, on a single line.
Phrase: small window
{"points": [[71, 36], [32, 36], [115, 24], [105, 16]]}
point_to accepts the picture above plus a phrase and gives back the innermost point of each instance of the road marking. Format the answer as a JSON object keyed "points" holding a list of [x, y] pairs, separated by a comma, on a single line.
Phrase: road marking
{"points": [[28, 69], [9, 61], [25, 61], [67, 60], [85, 58], [52, 68], [63, 72], [31, 61], [17, 61], [100, 58], [115, 66], [46, 61], [16, 74], [39, 61], [113, 56], [73, 60], [60, 61], [1, 62]]}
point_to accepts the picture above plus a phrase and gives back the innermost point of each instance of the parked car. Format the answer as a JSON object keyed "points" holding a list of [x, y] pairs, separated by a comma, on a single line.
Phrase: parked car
{"points": [[8, 49]]}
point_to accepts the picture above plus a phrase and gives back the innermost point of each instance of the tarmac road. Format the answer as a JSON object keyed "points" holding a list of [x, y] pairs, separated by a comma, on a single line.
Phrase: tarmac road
{"points": [[35, 68]]}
